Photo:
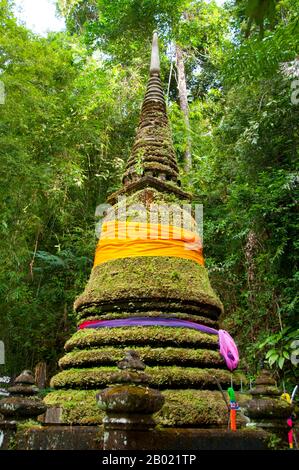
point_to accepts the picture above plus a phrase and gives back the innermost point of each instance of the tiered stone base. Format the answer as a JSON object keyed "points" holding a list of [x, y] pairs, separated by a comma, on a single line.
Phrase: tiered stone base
{"points": [[182, 363], [182, 408]]}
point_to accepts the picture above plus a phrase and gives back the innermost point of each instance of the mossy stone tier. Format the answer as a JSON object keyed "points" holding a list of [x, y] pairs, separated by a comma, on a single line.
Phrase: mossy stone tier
{"points": [[160, 377], [150, 282], [150, 355], [92, 313], [147, 283], [186, 408], [153, 336], [150, 205], [181, 362]]}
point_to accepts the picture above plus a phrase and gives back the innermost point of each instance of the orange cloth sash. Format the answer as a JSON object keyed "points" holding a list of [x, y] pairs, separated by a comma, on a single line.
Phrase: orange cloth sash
{"points": [[133, 239]]}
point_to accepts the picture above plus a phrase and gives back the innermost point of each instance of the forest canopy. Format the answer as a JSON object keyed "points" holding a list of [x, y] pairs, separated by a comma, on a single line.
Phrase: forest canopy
{"points": [[72, 103]]}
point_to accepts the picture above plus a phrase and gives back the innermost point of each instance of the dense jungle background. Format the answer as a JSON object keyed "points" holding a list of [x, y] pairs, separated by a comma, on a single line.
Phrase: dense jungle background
{"points": [[72, 102]]}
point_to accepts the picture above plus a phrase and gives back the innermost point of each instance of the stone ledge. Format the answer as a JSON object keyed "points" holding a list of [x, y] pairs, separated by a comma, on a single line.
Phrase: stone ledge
{"points": [[149, 182], [91, 438]]}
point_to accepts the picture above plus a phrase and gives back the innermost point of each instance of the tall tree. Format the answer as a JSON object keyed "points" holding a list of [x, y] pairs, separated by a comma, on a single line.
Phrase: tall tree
{"points": [[123, 28], [65, 130]]}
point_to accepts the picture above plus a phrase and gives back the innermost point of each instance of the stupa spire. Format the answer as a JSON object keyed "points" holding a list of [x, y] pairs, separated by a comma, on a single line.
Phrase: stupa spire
{"points": [[155, 59], [153, 154]]}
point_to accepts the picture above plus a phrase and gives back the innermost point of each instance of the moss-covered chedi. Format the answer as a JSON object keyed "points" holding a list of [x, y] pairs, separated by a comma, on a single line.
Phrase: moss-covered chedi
{"points": [[182, 362]]}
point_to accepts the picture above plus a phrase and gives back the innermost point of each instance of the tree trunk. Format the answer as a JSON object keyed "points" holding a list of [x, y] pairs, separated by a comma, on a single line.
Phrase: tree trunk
{"points": [[250, 253], [41, 375], [182, 87]]}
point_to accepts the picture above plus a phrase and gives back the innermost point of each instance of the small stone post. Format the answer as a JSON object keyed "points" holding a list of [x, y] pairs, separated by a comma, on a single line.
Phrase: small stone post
{"points": [[129, 404], [267, 410], [21, 405]]}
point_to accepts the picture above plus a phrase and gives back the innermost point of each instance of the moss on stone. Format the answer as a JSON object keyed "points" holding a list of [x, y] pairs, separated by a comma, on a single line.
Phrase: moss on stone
{"points": [[150, 355], [150, 278], [190, 408], [160, 156], [27, 425], [149, 182], [155, 166], [94, 313], [161, 377], [141, 336], [147, 200], [119, 281], [78, 406], [182, 408], [147, 306]]}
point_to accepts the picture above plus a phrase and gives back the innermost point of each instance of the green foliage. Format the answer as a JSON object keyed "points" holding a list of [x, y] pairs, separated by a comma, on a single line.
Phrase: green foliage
{"points": [[72, 104], [281, 346], [246, 154], [65, 130]]}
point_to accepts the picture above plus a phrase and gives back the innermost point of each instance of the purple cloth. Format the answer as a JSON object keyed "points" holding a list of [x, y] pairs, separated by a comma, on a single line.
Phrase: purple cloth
{"points": [[147, 321], [228, 348]]}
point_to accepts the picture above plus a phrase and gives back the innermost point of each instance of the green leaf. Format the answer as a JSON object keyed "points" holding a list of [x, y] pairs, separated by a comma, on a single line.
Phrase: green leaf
{"points": [[281, 362], [273, 359]]}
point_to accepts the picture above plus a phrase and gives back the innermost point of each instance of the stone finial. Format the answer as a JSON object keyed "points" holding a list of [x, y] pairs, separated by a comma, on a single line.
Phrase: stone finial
{"points": [[24, 384], [129, 404], [26, 377], [155, 59], [131, 361]]}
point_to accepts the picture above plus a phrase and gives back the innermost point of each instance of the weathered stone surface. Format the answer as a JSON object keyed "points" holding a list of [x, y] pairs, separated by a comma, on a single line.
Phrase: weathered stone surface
{"points": [[153, 139], [265, 378], [53, 415], [268, 409], [191, 439], [182, 408], [266, 390], [142, 285], [23, 389], [19, 407], [23, 402], [60, 438], [26, 377], [130, 399], [92, 438], [7, 434], [161, 377], [146, 182], [153, 336], [95, 313], [131, 361], [127, 377], [110, 355], [126, 284]]}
